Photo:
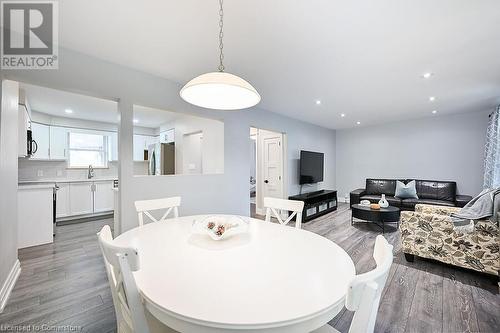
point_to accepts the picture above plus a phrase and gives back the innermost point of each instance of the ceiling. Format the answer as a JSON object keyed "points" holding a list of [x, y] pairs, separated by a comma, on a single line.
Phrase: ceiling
{"points": [[56, 102], [363, 59]]}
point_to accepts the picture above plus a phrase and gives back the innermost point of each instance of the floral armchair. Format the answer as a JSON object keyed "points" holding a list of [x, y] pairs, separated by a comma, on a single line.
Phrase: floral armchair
{"points": [[428, 232]]}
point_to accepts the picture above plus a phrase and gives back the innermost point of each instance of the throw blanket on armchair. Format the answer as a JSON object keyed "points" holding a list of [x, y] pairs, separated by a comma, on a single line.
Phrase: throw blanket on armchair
{"points": [[480, 207]]}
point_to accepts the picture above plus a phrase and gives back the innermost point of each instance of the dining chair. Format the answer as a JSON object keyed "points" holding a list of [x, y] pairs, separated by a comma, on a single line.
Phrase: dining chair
{"points": [[120, 262], [272, 205], [365, 290], [143, 207]]}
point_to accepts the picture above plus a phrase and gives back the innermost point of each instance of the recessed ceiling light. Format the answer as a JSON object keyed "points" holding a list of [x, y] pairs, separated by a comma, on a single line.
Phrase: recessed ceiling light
{"points": [[136, 121], [318, 102], [68, 111], [427, 75], [434, 111], [342, 115], [358, 123], [432, 99]]}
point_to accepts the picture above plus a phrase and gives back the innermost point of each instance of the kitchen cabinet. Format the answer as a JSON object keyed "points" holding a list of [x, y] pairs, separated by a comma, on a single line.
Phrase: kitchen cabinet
{"points": [[62, 200], [113, 146], [23, 125], [81, 198], [167, 136], [103, 196], [58, 143], [41, 134], [139, 147], [34, 210]]}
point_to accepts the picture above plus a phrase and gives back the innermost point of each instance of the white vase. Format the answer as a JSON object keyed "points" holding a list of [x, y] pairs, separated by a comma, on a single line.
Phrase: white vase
{"points": [[383, 203]]}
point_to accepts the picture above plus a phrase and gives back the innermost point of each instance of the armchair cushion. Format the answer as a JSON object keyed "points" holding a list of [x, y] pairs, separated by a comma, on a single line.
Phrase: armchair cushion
{"points": [[432, 236], [433, 209]]}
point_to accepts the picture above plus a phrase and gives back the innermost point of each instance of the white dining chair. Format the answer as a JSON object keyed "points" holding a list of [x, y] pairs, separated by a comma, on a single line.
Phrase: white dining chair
{"points": [[144, 207], [365, 290], [275, 206], [120, 262]]}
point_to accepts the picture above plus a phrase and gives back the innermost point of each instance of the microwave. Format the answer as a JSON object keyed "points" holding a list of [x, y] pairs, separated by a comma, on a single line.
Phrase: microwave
{"points": [[32, 146]]}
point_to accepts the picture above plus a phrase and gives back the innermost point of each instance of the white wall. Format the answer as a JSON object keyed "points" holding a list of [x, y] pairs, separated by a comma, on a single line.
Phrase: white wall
{"points": [[28, 170], [438, 148], [218, 193], [8, 180]]}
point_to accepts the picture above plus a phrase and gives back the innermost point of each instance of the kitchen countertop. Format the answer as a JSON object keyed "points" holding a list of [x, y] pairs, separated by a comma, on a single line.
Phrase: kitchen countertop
{"points": [[35, 186], [63, 180]]}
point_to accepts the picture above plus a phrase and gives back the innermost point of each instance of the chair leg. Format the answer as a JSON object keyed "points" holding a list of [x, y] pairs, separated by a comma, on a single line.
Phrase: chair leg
{"points": [[409, 257]]}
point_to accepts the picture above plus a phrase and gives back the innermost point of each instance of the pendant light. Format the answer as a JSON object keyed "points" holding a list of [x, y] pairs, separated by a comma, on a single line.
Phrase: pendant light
{"points": [[220, 90]]}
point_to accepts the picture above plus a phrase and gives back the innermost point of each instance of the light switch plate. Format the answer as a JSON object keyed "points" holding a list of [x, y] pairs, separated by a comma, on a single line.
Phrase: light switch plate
{"points": [[39, 173], [59, 173]]}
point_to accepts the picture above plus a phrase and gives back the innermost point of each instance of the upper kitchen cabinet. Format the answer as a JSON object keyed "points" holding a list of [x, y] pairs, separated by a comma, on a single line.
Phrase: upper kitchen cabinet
{"points": [[113, 146], [58, 143], [41, 135], [140, 146], [167, 136]]}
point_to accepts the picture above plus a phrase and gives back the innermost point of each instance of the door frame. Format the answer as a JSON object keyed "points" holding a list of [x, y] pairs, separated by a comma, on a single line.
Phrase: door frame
{"points": [[259, 199]]}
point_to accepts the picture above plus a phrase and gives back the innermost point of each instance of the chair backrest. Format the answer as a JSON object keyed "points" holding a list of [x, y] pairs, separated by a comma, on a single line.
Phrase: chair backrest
{"points": [[120, 262], [143, 207], [365, 290], [275, 206]]}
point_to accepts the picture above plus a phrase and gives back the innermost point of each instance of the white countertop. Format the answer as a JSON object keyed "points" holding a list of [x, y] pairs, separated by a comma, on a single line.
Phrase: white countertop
{"points": [[35, 186], [64, 180]]}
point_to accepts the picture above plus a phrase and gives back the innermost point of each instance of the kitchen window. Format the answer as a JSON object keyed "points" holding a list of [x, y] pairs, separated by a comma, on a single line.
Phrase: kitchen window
{"points": [[87, 149]]}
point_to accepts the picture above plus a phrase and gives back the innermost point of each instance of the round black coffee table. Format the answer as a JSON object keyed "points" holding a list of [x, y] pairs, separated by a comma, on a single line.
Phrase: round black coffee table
{"points": [[382, 215]]}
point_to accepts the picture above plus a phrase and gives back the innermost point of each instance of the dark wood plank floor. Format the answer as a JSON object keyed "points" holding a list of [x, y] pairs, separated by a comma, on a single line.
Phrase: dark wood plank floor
{"points": [[65, 284]]}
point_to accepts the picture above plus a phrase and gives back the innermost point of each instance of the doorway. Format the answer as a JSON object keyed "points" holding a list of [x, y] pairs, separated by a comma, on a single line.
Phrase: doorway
{"points": [[267, 170]]}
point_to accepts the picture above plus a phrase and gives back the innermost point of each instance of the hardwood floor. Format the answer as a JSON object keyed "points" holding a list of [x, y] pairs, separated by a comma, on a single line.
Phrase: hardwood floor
{"points": [[65, 284]]}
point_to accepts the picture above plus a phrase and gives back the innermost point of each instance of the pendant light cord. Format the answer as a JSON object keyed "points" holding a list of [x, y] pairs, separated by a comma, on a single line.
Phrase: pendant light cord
{"points": [[221, 35]]}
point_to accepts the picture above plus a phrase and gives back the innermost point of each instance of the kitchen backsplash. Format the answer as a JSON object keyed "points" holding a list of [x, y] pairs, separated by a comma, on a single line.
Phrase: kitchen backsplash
{"points": [[39, 170]]}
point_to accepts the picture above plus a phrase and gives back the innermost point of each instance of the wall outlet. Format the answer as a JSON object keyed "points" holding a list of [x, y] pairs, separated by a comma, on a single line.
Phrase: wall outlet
{"points": [[59, 173], [39, 173]]}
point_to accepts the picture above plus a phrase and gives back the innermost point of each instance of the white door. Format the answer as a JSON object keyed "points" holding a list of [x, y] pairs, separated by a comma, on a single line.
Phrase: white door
{"points": [[103, 196], [272, 180], [81, 198], [62, 200], [58, 143], [41, 134]]}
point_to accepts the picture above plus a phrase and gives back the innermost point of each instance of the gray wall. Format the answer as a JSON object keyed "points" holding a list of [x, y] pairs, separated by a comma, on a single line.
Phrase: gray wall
{"points": [[223, 193], [438, 148], [8, 179]]}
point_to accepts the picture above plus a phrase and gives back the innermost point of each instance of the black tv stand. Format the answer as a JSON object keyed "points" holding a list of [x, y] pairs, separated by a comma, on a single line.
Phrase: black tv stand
{"points": [[317, 203]]}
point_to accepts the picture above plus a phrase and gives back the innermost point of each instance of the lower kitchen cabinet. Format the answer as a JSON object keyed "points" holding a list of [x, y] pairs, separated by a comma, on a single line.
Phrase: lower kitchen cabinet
{"points": [[103, 196], [62, 202], [84, 198], [35, 220], [80, 198]]}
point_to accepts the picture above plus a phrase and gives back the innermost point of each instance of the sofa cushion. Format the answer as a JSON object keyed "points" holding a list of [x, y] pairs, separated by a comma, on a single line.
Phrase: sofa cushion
{"points": [[437, 190], [408, 191], [410, 203], [380, 186], [375, 199]]}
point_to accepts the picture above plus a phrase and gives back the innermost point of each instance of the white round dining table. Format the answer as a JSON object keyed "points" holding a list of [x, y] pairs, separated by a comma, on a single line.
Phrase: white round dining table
{"points": [[272, 278]]}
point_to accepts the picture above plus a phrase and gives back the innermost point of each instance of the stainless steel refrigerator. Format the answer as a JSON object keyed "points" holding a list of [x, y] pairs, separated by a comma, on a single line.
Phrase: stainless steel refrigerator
{"points": [[161, 159]]}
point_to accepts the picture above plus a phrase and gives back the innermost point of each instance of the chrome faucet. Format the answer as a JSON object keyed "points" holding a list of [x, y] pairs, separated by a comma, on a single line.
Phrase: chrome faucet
{"points": [[91, 172]]}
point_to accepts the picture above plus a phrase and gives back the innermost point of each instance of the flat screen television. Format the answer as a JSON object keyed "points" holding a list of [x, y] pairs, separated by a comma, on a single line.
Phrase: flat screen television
{"points": [[311, 167]]}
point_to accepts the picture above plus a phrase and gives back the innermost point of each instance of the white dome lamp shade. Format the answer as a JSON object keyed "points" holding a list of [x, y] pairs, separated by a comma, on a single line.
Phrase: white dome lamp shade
{"points": [[220, 90]]}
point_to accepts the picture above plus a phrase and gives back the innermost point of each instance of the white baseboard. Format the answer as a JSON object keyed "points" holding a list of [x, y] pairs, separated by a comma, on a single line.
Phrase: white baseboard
{"points": [[9, 284]]}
